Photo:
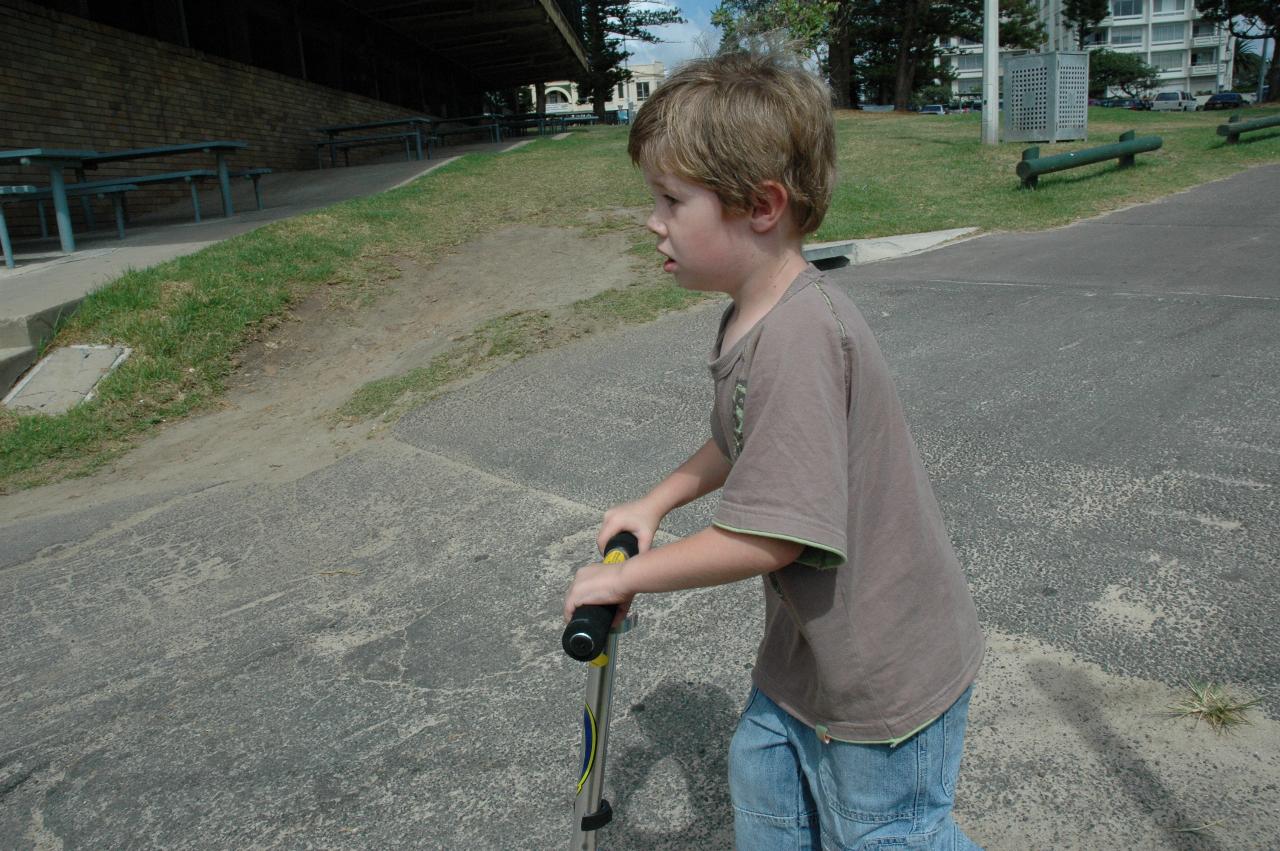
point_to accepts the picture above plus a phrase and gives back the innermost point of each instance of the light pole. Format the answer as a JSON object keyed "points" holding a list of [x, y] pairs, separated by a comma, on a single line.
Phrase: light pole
{"points": [[991, 72]]}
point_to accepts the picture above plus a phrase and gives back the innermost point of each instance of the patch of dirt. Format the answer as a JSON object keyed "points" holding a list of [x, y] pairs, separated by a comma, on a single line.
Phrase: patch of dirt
{"points": [[275, 422]]}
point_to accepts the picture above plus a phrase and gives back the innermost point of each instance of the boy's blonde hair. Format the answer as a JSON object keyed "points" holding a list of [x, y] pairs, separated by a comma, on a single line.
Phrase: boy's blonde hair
{"points": [[732, 122]]}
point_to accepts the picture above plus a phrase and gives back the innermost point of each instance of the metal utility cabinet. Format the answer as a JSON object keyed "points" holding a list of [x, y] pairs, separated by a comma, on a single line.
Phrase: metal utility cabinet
{"points": [[1046, 97]]}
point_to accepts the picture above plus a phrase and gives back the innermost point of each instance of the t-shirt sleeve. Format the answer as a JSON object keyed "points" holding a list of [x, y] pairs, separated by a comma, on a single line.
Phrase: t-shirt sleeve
{"points": [[791, 478]]}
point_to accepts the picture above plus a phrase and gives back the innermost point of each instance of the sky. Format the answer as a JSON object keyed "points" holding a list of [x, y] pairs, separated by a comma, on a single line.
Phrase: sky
{"points": [[680, 40]]}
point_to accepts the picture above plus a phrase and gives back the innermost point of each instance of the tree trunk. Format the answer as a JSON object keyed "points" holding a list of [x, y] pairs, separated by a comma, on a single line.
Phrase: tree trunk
{"points": [[905, 72], [540, 97], [598, 98], [838, 55]]}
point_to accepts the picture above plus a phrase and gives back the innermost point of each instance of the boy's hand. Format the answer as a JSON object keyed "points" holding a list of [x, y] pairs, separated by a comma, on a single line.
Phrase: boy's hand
{"points": [[637, 517], [598, 585]]}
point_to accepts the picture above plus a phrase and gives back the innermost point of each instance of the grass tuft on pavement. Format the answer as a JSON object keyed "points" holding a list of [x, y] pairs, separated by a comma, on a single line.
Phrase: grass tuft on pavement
{"points": [[1213, 704], [187, 319]]}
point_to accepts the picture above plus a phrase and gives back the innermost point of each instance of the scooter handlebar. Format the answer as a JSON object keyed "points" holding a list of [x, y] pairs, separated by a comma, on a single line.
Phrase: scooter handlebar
{"points": [[585, 636]]}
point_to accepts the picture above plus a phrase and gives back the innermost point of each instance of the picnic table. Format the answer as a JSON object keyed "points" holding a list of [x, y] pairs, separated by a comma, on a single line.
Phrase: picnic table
{"points": [[567, 119], [57, 159], [54, 159], [518, 122], [419, 126], [485, 122], [220, 149]]}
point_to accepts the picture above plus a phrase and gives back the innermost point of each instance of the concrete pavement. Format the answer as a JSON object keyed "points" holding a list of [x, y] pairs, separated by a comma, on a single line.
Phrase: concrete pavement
{"points": [[368, 657]]}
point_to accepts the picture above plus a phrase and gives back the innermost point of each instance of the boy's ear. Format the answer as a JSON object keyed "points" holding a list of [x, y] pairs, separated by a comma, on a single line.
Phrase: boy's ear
{"points": [[771, 204]]}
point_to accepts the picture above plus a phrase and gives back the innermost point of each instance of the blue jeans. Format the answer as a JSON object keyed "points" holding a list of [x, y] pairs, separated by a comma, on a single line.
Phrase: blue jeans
{"points": [[792, 791]]}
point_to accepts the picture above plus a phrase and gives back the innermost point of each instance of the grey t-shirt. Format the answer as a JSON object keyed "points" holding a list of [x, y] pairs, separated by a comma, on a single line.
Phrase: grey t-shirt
{"points": [[872, 633]]}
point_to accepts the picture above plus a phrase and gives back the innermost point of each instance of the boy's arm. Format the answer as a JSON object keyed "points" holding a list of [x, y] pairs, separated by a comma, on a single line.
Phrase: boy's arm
{"points": [[703, 472], [713, 556]]}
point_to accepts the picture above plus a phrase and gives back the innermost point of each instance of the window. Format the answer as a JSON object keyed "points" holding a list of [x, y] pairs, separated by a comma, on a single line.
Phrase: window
{"points": [[969, 87], [1204, 58], [1126, 35], [1204, 30], [1095, 36], [642, 91], [1125, 8], [1167, 7], [968, 42], [1169, 60], [556, 96], [969, 62], [1168, 32]]}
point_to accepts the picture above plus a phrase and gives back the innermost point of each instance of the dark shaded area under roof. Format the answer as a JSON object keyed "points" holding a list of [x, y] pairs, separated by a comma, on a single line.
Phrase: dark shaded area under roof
{"points": [[428, 55], [502, 42]]}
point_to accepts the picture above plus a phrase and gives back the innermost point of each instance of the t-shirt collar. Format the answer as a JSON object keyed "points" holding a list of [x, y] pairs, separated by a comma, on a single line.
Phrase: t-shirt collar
{"points": [[720, 362]]}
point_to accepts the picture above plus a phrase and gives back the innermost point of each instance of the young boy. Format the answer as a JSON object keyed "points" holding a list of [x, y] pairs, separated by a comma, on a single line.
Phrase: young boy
{"points": [[853, 732]]}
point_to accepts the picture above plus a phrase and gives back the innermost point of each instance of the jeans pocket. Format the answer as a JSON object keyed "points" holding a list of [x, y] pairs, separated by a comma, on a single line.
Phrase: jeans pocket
{"points": [[870, 784]]}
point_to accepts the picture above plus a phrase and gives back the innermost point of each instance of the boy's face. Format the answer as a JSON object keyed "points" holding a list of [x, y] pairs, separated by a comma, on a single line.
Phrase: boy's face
{"points": [[705, 245]]}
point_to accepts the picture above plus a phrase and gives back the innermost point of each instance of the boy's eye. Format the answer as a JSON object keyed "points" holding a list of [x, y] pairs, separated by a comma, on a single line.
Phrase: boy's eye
{"points": [[668, 199]]}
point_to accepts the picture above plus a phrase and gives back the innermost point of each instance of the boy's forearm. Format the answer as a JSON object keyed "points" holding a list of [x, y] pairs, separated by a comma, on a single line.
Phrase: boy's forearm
{"points": [[713, 556], [703, 472]]}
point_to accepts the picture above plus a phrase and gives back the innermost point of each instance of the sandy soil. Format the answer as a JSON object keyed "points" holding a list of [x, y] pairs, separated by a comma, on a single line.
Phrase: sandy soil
{"points": [[275, 422]]}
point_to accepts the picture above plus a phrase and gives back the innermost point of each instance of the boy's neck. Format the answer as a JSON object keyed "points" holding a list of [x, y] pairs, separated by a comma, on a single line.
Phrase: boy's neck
{"points": [[772, 274]]}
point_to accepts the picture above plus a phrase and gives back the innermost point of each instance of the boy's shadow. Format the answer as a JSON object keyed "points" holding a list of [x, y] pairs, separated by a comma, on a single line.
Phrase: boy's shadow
{"points": [[690, 724]]}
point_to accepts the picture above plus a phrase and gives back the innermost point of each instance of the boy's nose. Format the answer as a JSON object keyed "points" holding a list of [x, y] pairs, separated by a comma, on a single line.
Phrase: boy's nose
{"points": [[654, 224]]}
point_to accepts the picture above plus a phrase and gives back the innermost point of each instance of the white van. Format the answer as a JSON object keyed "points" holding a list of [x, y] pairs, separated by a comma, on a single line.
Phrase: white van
{"points": [[1174, 102]]}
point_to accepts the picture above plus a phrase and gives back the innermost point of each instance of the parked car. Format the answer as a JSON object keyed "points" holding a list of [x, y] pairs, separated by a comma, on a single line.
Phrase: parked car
{"points": [[1225, 100], [1174, 102], [1112, 102], [933, 109], [1137, 104]]}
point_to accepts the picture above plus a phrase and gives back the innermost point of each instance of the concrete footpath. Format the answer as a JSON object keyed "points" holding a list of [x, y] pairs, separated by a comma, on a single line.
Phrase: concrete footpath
{"points": [[367, 657], [48, 284]]}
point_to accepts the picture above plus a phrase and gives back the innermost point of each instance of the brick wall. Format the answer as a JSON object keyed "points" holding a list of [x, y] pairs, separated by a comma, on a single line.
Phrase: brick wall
{"points": [[66, 82]]}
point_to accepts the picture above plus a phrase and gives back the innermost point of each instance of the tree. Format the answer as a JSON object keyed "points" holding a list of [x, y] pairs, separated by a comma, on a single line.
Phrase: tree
{"points": [[1248, 19], [873, 49], [605, 25], [1246, 68], [1124, 71], [1083, 15]]}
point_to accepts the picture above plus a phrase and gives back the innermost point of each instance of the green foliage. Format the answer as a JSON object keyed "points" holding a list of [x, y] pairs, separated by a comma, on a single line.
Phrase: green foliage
{"points": [[605, 25], [1127, 72], [1083, 15], [873, 51], [1246, 68], [1249, 19]]}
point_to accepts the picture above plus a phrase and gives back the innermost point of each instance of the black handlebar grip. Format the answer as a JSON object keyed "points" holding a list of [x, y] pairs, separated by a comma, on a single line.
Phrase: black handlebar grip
{"points": [[585, 636]]}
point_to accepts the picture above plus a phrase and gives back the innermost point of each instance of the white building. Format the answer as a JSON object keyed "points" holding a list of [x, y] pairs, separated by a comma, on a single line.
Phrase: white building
{"points": [[562, 96], [1192, 55]]}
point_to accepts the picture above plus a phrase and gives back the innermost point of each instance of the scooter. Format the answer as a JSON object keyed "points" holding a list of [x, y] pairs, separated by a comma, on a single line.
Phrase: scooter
{"points": [[591, 637]]}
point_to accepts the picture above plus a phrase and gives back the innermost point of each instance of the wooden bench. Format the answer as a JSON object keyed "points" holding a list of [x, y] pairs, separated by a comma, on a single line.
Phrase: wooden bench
{"points": [[487, 124], [118, 185], [115, 191], [361, 141], [7, 193], [254, 174]]}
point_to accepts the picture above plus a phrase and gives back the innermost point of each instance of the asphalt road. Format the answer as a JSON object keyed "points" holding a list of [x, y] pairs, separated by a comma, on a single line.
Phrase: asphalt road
{"points": [[368, 657]]}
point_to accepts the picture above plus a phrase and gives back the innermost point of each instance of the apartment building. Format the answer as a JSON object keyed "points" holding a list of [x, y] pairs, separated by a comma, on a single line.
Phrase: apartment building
{"points": [[562, 95], [1192, 55]]}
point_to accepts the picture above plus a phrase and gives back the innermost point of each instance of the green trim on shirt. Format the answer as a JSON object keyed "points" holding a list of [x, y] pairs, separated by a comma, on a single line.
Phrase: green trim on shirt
{"points": [[821, 730], [813, 555]]}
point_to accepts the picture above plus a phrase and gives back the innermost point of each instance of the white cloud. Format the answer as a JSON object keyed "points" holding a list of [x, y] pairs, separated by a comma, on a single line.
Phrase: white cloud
{"points": [[680, 42]]}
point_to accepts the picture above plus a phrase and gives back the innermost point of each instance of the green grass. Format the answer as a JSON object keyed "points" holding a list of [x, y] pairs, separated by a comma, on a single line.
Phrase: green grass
{"points": [[1213, 704], [187, 319], [907, 173]]}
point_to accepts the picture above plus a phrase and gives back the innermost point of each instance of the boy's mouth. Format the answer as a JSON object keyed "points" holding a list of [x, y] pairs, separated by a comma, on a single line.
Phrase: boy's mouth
{"points": [[668, 265]]}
